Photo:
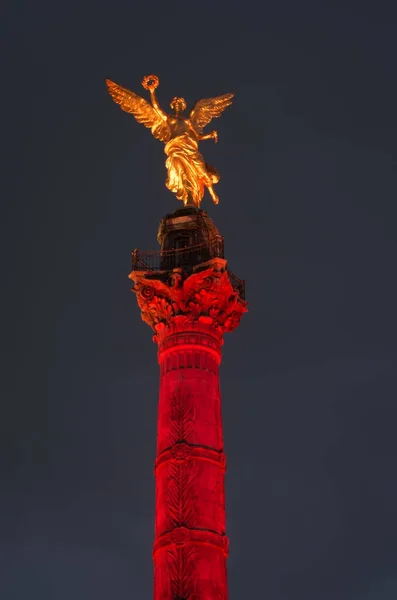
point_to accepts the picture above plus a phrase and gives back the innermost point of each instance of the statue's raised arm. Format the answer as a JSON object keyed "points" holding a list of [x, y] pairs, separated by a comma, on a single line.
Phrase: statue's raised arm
{"points": [[188, 173]]}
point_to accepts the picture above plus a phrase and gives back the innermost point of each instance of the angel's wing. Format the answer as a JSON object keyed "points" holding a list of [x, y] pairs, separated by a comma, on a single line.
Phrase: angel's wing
{"points": [[206, 109], [141, 109]]}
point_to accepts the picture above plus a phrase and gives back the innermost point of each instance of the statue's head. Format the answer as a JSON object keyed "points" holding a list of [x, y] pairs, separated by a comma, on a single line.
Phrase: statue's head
{"points": [[178, 104]]}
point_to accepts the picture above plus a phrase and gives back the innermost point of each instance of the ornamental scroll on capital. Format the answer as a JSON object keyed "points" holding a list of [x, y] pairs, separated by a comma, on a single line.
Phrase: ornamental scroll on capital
{"points": [[207, 294]]}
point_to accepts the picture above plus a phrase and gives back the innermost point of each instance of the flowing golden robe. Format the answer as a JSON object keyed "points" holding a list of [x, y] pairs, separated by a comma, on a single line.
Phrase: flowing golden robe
{"points": [[188, 173]]}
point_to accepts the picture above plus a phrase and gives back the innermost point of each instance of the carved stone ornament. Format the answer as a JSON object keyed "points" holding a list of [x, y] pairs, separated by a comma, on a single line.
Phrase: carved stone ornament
{"points": [[181, 452], [208, 293]]}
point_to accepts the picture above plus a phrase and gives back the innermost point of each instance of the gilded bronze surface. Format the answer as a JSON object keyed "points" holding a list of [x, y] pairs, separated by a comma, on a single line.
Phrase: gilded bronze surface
{"points": [[188, 173]]}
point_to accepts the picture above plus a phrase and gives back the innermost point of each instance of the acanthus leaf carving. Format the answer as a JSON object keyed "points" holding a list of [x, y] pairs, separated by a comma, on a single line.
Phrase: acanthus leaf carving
{"points": [[180, 562], [182, 417], [206, 293]]}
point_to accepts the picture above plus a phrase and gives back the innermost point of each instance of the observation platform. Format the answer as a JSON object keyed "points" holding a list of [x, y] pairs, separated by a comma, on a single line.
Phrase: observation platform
{"points": [[189, 242]]}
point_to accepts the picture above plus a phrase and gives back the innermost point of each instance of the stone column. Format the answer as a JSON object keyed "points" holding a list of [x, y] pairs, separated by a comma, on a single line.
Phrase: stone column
{"points": [[189, 314]]}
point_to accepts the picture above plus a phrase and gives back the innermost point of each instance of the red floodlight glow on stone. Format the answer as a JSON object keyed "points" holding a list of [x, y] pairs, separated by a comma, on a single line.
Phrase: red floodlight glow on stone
{"points": [[190, 299]]}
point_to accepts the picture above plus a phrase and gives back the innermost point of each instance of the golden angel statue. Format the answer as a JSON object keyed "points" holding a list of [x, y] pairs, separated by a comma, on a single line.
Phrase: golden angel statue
{"points": [[188, 173]]}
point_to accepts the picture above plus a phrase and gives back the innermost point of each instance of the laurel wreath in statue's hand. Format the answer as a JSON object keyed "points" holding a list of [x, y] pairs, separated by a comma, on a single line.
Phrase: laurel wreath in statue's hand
{"points": [[150, 82]]}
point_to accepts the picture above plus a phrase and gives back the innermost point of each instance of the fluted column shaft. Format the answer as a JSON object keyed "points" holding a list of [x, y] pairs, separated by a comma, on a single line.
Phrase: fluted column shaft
{"points": [[190, 546]]}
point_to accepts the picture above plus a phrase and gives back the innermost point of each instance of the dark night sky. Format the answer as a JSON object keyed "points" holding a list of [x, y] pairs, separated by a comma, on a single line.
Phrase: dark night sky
{"points": [[308, 161]]}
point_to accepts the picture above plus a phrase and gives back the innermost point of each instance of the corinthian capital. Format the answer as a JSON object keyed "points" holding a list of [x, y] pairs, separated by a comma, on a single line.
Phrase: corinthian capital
{"points": [[208, 293]]}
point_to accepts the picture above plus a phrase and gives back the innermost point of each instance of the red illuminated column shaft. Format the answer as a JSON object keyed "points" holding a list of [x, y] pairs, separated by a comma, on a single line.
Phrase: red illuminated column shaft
{"points": [[189, 313], [190, 543]]}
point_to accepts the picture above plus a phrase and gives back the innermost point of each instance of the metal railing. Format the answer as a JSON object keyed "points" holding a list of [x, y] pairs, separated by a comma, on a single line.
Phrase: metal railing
{"points": [[166, 260], [237, 284]]}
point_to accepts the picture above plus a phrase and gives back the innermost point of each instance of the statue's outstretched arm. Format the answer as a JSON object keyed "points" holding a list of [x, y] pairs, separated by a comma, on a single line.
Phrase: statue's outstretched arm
{"points": [[205, 110], [151, 82], [213, 135]]}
